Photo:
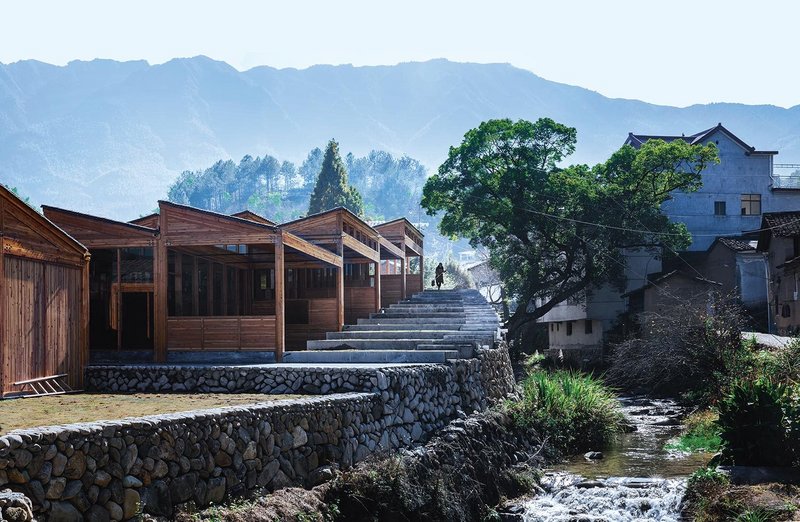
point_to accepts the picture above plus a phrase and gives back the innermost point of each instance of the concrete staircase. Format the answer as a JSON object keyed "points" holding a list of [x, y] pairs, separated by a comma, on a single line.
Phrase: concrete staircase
{"points": [[430, 327]]}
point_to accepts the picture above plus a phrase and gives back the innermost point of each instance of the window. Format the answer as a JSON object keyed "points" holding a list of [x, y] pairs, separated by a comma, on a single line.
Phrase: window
{"points": [[569, 327], [587, 326], [751, 204], [719, 208]]}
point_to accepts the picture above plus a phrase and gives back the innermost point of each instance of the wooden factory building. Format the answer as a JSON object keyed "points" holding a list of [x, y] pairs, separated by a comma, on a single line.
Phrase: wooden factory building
{"points": [[43, 293], [189, 280], [399, 279]]}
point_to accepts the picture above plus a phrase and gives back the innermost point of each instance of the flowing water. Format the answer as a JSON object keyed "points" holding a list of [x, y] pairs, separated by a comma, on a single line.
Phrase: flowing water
{"points": [[637, 479]]}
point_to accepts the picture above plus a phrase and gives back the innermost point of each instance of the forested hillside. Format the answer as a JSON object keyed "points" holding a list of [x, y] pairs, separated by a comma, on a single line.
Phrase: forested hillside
{"points": [[280, 190]]}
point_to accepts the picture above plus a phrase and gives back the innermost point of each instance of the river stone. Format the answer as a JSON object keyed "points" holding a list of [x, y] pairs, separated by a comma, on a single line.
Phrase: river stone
{"points": [[114, 510], [64, 512], [102, 478], [76, 466], [216, 490], [97, 514], [131, 503], [157, 499], [593, 455], [56, 488]]}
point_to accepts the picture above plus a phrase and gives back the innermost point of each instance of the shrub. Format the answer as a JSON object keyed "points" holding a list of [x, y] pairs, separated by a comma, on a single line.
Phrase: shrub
{"points": [[697, 354], [759, 423], [577, 412]]}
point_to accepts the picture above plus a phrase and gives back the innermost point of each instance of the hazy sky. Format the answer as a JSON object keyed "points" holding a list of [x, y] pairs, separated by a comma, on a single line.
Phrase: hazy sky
{"points": [[676, 52]]}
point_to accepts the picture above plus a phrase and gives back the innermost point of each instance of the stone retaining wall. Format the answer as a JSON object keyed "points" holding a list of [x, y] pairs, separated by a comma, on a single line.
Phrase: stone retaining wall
{"points": [[108, 470]]}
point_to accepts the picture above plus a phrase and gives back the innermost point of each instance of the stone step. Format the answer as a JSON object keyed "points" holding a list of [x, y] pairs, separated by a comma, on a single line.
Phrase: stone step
{"points": [[371, 356], [465, 351], [367, 344], [421, 315], [391, 334], [380, 319], [385, 327]]}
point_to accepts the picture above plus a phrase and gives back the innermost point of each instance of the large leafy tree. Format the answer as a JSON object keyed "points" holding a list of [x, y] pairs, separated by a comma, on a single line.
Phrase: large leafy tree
{"points": [[552, 232], [332, 189]]}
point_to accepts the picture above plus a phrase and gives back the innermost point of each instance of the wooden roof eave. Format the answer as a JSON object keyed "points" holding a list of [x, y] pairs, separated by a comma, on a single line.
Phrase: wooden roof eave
{"points": [[99, 232], [292, 241], [206, 227], [47, 228], [388, 224]]}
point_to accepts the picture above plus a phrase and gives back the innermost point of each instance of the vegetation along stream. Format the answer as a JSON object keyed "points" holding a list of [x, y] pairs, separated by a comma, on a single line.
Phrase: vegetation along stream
{"points": [[637, 479]]}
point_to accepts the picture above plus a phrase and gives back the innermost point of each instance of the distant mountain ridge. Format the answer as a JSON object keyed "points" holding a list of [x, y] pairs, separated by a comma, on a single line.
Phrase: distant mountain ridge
{"points": [[109, 137]]}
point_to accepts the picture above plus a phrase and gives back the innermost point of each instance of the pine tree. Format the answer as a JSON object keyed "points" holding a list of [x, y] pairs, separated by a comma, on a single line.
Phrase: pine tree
{"points": [[332, 189]]}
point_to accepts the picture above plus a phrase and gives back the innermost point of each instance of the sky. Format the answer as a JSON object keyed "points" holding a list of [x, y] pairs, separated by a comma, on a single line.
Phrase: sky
{"points": [[674, 53]]}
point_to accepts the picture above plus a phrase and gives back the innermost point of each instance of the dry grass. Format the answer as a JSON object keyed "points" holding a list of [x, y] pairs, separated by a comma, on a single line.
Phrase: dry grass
{"points": [[86, 407]]}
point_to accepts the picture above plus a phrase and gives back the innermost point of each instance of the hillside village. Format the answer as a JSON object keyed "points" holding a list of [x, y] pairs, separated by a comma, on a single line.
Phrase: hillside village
{"points": [[744, 222], [188, 301]]}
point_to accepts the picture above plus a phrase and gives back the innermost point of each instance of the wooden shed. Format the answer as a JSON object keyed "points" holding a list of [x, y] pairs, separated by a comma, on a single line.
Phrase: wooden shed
{"points": [[44, 297], [397, 279], [198, 282]]}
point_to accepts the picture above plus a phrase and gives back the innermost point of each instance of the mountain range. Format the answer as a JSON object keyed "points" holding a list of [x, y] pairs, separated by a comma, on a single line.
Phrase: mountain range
{"points": [[109, 137]]}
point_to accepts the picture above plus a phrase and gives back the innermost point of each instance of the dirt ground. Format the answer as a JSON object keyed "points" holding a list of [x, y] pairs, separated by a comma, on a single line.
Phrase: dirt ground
{"points": [[86, 407]]}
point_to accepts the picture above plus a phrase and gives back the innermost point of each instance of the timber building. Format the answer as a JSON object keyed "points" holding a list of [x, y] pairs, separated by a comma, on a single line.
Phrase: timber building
{"points": [[185, 281], [397, 280], [44, 298]]}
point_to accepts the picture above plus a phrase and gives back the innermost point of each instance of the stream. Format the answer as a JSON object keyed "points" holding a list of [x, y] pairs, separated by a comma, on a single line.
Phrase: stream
{"points": [[636, 480]]}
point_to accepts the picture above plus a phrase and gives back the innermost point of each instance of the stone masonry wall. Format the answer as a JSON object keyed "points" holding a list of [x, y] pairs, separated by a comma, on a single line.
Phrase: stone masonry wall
{"points": [[109, 470]]}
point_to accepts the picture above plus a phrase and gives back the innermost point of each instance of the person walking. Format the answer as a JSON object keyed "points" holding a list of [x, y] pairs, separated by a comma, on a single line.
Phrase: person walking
{"points": [[439, 276]]}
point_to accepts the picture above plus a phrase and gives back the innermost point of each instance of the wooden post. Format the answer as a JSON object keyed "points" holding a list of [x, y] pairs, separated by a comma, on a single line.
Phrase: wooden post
{"points": [[377, 286], [84, 323], [118, 296], [3, 319], [160, 271], [403, 270], [280, 312], [195, 288], [178, 283], [340, 288]]}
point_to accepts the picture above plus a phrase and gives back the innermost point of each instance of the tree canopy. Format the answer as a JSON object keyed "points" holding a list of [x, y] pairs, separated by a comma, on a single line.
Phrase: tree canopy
{"points": [[555, 232], [332, 189]]}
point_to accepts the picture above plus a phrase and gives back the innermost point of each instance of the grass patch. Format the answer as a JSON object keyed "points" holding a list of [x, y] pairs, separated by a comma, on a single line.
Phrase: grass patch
{"points": [[88, 407], [700, 434], [575, 411]]}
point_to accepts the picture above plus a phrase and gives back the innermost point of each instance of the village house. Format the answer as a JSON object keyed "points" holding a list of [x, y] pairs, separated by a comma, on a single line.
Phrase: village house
{"points": [[779, 240], [734, 196], [44, 284]]}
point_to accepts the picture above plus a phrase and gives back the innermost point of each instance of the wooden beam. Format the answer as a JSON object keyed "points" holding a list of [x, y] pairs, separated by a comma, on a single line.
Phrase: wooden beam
{"points": [[292, 241], [411, 245], [15, 248], [161, 272], [340, 294], [360, 248], [395, 252], [280, 296]]}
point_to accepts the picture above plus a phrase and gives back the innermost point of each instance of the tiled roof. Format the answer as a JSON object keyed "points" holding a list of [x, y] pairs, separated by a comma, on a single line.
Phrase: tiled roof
{"points": [[782, 224], [636, 140], [655, 281], [735, 244]]}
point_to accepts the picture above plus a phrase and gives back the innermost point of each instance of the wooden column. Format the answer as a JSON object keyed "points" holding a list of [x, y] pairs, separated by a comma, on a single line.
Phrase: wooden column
{"points": [[280, 315], [403, 270], [160, 271], [178, 283], [340, 288], [84, 322], [377, 286], [3, 318]]}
